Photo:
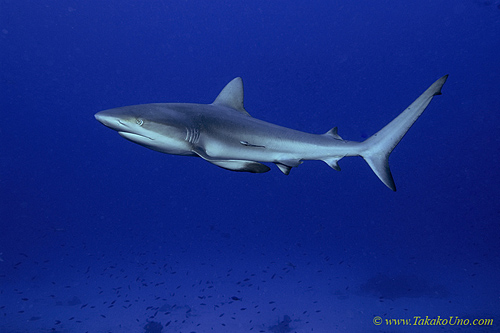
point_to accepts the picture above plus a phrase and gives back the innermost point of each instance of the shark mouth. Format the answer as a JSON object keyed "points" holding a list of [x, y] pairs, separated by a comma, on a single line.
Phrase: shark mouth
{"points": [[134, 136]]}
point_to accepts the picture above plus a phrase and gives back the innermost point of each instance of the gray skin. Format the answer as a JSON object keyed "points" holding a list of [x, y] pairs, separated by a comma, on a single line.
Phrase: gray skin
{"points": [[223, 133]]}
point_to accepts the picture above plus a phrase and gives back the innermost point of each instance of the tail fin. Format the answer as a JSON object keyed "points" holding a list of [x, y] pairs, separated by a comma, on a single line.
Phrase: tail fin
{"points": [[377, 148]]}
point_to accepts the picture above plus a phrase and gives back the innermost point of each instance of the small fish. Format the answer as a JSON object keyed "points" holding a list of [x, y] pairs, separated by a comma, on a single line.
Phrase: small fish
{"points": [[245, 143]]}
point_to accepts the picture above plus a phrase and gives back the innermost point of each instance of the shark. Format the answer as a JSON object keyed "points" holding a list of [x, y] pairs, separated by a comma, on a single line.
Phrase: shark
{"points": [[226, 135]]}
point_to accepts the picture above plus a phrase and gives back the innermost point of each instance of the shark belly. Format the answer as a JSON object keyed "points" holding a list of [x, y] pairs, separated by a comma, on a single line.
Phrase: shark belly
{"points": [[241, 150]]}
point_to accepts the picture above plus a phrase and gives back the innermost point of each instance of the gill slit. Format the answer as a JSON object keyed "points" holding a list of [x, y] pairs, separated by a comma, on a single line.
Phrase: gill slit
{"points": [[192, 135]]}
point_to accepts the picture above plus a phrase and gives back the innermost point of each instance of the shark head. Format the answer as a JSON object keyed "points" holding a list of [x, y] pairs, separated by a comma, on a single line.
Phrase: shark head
{"points": [[155, 126]]}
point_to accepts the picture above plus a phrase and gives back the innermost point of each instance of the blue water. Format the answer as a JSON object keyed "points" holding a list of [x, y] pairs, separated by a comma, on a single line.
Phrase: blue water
{"points": [[101, 235]]}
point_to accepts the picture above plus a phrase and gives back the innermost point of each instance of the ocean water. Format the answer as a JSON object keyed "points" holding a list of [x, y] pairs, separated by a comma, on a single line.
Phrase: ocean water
{"points": [[102, 235]]}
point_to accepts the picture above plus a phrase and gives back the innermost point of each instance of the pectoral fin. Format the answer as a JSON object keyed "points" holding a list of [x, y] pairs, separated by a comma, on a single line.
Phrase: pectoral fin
{"points": [[234, 165], [242, 166]]}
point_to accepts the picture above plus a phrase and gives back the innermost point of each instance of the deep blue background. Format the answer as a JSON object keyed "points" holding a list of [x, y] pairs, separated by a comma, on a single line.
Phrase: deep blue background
{"points": [[305, 65]]}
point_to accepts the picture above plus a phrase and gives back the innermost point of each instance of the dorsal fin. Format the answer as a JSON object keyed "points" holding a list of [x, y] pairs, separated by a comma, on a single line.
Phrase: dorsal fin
{"points": [[334, 132], [232, 96]]}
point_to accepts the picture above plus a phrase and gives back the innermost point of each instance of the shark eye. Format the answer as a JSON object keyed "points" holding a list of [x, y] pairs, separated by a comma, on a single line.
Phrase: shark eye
{"points": [[139, 121]]}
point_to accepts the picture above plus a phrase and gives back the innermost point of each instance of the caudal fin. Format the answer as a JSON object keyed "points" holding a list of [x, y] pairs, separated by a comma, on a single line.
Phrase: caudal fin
{"points": [[376, 149]]}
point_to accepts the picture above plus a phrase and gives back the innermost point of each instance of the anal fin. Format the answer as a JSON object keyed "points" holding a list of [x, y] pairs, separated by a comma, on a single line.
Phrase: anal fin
{"points": [[333, 162]]}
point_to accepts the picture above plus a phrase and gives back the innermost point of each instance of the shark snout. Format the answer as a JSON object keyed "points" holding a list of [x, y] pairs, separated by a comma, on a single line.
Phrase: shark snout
{"points": [[107, 120], [111, 120], [100, 117]]}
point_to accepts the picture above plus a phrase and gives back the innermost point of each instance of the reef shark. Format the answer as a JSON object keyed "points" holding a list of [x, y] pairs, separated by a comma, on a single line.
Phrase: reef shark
{"points": [[223, 133]]}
